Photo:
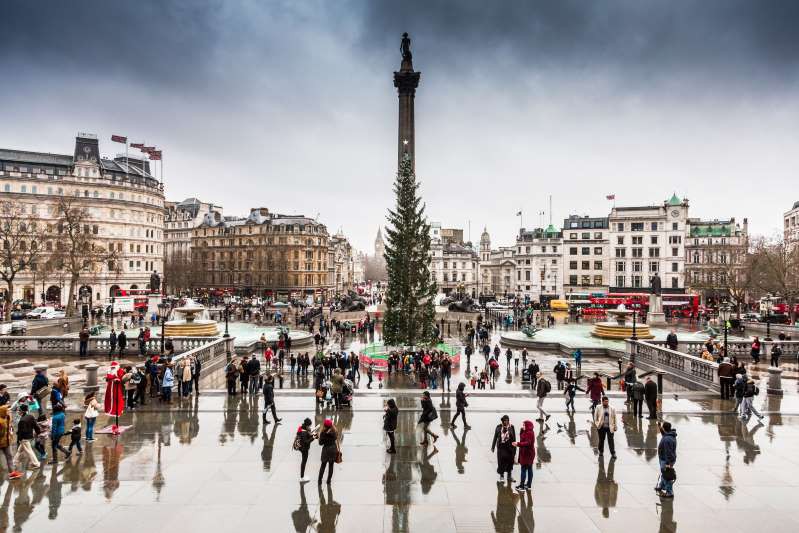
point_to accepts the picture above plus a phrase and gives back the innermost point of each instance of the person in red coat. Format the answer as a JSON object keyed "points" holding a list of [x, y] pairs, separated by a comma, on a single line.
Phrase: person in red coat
{"points": [[526, 446], [114, 401]]}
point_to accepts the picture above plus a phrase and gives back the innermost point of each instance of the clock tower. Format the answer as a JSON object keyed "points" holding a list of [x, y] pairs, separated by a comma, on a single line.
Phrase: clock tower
{"points": [[87, 148]]}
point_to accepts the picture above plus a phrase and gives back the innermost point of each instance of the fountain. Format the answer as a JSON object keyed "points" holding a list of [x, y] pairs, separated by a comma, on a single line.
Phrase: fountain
{"points": [[187, 324], [620, 328]]}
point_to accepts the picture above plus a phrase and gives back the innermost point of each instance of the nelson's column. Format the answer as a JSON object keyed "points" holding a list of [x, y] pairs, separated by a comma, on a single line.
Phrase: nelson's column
{"points": [[406, 81]]}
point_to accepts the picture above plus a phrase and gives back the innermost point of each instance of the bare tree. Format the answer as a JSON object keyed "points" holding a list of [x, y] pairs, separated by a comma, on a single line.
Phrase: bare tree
{"points": [[776, 271], [23, 241], [79, 250], [178, 270], [727, 273]]}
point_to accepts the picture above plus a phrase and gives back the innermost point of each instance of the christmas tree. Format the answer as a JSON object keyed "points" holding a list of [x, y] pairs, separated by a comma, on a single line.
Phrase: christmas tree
{"points": [[410, 313]]}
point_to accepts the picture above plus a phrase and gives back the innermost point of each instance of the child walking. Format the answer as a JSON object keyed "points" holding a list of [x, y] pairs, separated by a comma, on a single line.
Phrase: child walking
{"points": [[74, 437]]}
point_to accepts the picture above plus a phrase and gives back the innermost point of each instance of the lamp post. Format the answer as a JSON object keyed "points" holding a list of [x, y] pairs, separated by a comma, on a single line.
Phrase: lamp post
{"points": [[724, 313], [226, 298], [112, 311], [84, 300], [769, 303], [163, 309], [635, 316]]}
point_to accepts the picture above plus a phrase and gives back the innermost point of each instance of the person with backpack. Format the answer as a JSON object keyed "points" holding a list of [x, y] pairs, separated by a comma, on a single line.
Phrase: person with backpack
{"points": [[755, 351], [667, 456], [429, 414], [390, 415], [460, 405], [302, 444], [748, 404], [542, 389], [776, 353]]}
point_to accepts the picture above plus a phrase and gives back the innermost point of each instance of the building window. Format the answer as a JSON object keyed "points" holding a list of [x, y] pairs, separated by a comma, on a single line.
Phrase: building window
{"points": [[572, 265], [636, 282], [619, 240], [637, 266], [621, 252], [654, 226], [620, 226], [620, 266], [638, 252], [585, 236], [620, 281], [675, 283], [675, 252], [572, 235], [573, 280], [653, 266], [674, 226], [597, 265], [573, 251], [638, 240], [586, 265], [598, 251], [597, 235], [585, 280], [636, 226], [675, 267], [597, 280], [654, 252], [653, 239]]}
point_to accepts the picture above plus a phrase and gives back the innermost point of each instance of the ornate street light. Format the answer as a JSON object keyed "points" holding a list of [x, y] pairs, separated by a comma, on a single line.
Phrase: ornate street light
{"points": [[226, 298], [84, 300], [163, 309], [635, 316], [769, 306], [725, 312]]}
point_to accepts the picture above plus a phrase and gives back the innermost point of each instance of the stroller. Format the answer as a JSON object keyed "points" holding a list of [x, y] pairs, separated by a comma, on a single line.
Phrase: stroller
{"points": [[346, 393]]}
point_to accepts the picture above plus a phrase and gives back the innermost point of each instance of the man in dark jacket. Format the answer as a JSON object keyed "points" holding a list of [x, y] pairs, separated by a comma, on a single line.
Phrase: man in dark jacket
{"points": [[27, 429], [726, 378], [630, 377], [269, 398], [112, 342], [254, 370], [667, 456], [651, 397], [671, 340], [122, 342]]}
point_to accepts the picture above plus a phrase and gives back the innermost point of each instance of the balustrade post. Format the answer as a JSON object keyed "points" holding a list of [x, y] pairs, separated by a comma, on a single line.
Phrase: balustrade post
{"points": [[91, 378], [660, 381], [774, 381]]}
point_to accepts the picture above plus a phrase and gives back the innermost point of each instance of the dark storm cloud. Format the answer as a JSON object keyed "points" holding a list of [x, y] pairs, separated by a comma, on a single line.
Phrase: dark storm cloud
{"points": [[704, 39], [146, 39]]}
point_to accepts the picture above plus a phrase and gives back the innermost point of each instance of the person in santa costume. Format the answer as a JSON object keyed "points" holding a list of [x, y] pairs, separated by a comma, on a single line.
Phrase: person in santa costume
{"points": [[114, 401]]}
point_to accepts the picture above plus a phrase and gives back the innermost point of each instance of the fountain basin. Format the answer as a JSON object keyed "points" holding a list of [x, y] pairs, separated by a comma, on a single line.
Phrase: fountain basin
{"points": [[191, 328]]}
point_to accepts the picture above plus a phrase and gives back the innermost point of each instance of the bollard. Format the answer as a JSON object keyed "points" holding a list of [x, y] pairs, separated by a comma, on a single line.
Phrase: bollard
{"points": [[660, 381], [774, 381], [91, 378], [607, 386]]}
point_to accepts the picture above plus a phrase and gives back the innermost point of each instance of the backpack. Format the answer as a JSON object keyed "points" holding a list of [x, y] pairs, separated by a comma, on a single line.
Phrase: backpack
{"points": [[756, 391], [297, 445], [136, 378], [547, 386]]}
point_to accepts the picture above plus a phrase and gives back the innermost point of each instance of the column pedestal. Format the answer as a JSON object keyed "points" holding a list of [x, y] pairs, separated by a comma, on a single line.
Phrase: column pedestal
{"points": [[774, 382], [655, 316]]}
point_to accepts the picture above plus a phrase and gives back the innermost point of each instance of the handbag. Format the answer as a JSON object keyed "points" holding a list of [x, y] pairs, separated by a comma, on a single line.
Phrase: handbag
{"points": [[339, 456], [43, 392], [669, 474]]}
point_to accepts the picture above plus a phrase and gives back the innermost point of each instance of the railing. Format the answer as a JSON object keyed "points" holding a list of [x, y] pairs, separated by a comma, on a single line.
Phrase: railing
{"points": [[684, 368], [212, 355], [739, 349], [33, 346]]}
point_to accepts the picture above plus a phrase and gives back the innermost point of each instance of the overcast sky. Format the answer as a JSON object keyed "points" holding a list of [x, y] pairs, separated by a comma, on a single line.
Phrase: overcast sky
{"points": [[290, 104]]}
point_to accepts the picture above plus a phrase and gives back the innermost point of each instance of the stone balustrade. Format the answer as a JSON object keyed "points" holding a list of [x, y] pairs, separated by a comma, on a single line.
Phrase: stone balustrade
{"points": [[35, 346], [682, 368], [739, 349], [212, 355]]}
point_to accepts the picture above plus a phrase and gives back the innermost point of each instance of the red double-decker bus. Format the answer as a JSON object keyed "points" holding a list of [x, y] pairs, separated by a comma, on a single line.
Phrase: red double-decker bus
{"points": [[681, 305], [674, 305]]}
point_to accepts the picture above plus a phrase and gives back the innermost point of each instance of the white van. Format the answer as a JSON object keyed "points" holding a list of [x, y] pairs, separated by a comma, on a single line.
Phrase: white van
{"points": [[39, 312]]}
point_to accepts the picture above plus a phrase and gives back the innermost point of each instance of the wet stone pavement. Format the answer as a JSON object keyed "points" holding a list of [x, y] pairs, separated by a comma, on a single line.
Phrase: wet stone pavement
{"points": [[209, 464]]}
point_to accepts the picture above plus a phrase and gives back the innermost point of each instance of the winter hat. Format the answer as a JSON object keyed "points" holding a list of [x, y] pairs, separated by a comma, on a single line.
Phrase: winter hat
{"points": [[328, 423]]}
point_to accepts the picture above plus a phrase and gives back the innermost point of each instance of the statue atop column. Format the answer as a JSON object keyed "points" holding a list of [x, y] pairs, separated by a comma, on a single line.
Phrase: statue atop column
{"points": [[654, 284], [155, 282], [405, 47]]}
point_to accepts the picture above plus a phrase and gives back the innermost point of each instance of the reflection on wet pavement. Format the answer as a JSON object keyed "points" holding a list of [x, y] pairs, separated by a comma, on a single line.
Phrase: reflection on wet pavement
{"points": [[211, 462]]}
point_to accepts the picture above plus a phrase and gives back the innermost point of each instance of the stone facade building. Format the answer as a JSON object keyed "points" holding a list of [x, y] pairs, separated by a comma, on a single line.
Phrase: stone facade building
{"points": [[645, 240], [791, 221], [539, 268], [180, 218], [715, 251], [585, 254], [263, 254], [453, 263], [125, 204], [341, 264], [496, 269]]}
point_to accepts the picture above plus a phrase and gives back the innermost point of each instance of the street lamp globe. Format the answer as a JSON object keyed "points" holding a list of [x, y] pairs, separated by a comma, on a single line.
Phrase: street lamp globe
{"points": [[227, 298], [725, 311]]}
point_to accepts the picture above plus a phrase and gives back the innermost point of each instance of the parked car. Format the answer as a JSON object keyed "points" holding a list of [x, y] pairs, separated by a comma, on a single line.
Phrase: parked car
{"points": [[775, 318], [55, 313], [39, 312], [750, 316]]}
